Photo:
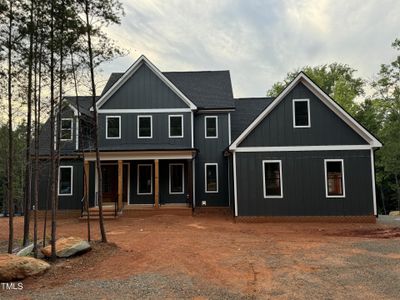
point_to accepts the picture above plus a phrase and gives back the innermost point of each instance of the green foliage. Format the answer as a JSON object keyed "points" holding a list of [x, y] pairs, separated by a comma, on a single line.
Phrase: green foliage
{"points": [[337, 80]]}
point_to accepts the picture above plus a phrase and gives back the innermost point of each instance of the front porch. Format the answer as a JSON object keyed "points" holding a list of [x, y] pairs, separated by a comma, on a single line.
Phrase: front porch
{"points": [[140, 182]]}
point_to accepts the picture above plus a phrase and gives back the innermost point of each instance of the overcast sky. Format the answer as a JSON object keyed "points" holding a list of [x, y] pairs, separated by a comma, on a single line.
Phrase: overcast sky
{"points": [[258, 41]]}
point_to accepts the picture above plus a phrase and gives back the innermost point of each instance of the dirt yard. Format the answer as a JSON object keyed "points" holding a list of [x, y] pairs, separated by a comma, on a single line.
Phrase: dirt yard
{"points": [[210, 257]]}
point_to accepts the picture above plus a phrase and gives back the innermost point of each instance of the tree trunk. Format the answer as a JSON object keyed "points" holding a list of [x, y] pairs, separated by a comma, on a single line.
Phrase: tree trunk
{"points": [[95, 126]]}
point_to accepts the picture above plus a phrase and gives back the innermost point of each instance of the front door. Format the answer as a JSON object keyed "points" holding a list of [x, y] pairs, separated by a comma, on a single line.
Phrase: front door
{"points": [[110, 183]]}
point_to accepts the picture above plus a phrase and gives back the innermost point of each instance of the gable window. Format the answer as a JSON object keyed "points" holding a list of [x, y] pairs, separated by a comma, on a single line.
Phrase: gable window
{"points": [[145, 127], [211, 177], [272, 179], [334, 178], [113, 127], [65, 180], [66, 129], [145, 179], [211, 126], [301, 113], [175, 126], [176, 179]]}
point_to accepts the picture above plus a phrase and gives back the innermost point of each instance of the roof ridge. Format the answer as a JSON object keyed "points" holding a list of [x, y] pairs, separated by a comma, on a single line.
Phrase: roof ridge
{"points": [[203, 71]]}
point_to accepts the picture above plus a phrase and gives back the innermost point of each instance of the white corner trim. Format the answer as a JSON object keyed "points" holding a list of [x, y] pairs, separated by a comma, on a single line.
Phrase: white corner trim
{"points": [[169, 127], [138, 179], [151, 126], [72, 180], [71, 129], [326, 179], [170, 179], [235, 184], [143, 110], [192, 128], [323, 97], [229, 129], [216, 127], [77, 133], [308, 112], [205, 177], [373, 182], [119, 128], [280, 179], [303, 148], [132, 69]]}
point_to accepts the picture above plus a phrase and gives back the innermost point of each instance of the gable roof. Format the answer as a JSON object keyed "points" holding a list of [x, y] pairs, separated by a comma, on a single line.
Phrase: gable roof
{"points": [[85, 103], [206, 89], [328, 101], [132, 69], [247, 109]]}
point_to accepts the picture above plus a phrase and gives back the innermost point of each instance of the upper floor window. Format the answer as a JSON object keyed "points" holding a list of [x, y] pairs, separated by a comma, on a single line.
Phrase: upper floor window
{"points": [[113, 127], [144, 127], [301, 113], [334, 178], [211, 126], [66, 129], [272, 179], [175, 126], [65, 180], [211, 177]]}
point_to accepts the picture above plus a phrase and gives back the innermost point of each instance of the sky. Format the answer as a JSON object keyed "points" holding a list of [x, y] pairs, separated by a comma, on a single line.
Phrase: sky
{"points": [[258, 41]]}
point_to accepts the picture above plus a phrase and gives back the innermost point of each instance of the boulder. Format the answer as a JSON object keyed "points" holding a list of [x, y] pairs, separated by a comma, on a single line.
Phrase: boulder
{"points": [[14, 267], [66, 247], [25, 251], [394, 213]]}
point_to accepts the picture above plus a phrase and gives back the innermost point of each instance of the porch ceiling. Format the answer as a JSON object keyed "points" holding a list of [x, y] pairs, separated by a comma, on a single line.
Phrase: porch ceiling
{"points": [[142, 155]]}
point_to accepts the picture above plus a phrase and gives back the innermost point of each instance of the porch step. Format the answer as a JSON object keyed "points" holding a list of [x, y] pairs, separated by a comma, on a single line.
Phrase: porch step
{"points": [[108, 213]]}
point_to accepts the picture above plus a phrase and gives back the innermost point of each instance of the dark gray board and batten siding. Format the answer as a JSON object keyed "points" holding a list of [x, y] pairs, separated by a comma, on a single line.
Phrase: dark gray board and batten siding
{"points": [[303, 181]]}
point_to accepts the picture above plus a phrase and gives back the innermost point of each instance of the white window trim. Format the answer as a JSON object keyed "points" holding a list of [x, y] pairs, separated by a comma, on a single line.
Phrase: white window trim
{"points": [[119, 125], [151, 126], [326, 179], [183, 179], [71, 129], [137, 179], [280, 179], [205, 177], [72, 180], [294, 113], [169, 127], [205, 127]]}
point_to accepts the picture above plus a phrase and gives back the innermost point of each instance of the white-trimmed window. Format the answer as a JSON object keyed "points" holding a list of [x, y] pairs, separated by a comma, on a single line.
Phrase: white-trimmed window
{"points": [[113, 127], [272, 178], [176, 178], [144, 127], [65, 180], [211, 127], [145, 179], [211, 177], [175, 126], [66, 129], [334, 178], [301, 113]]}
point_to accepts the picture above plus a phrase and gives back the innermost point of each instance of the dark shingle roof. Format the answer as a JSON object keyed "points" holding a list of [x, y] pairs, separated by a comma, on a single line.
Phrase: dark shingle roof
{"points": [[247, 109], [206, 89], [85, 103]]}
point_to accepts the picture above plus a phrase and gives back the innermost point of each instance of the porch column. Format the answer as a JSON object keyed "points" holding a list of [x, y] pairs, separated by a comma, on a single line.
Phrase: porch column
{"points": [[120, 184], [86, 182], [156, 184]]}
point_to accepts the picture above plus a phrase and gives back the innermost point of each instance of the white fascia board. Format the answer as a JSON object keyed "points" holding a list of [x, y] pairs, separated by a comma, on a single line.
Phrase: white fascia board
{"points": [[144, 110], [303, 148], [132, 69]]}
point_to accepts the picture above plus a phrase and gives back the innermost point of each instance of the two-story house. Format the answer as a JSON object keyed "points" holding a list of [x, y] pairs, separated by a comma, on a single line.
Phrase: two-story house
{"points": [[181, 138]]}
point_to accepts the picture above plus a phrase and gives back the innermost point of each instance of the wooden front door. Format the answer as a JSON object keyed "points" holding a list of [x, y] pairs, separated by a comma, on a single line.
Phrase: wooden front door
{"points": [[110, 183]]}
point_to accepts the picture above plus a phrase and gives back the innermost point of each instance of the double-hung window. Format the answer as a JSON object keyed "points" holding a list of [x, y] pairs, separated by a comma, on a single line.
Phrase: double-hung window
{"points": [[113, 127], [175, 126], [334, 178], [66, 129], [145, 179], [211, 127], [272, 179], [65, 180], [176, 179], [301, 113], [211, 177], [144, 127]]}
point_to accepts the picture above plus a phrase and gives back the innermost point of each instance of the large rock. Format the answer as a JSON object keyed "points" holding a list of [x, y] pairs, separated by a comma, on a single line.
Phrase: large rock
{"points": [[66, 247], [14, 267], [25, 251], [394, 213]]}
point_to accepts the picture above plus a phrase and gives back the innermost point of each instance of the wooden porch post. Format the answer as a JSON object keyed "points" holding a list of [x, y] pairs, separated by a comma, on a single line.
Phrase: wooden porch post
{"points": [[156, 184], [86, 180], [120, 184]]}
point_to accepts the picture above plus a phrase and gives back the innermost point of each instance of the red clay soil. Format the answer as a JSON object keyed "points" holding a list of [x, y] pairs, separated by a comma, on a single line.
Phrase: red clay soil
{"points": [[252, 259]]}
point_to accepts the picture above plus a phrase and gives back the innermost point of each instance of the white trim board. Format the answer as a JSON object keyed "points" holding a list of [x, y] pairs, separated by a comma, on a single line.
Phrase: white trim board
{"points": [[143, 111], [326, 178], [340, 112], [132, 70], [303, 148], [373, 182]]}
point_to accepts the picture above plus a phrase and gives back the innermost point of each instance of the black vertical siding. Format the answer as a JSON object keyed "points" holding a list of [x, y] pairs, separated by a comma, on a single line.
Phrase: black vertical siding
{"points": [[303, 180]]}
